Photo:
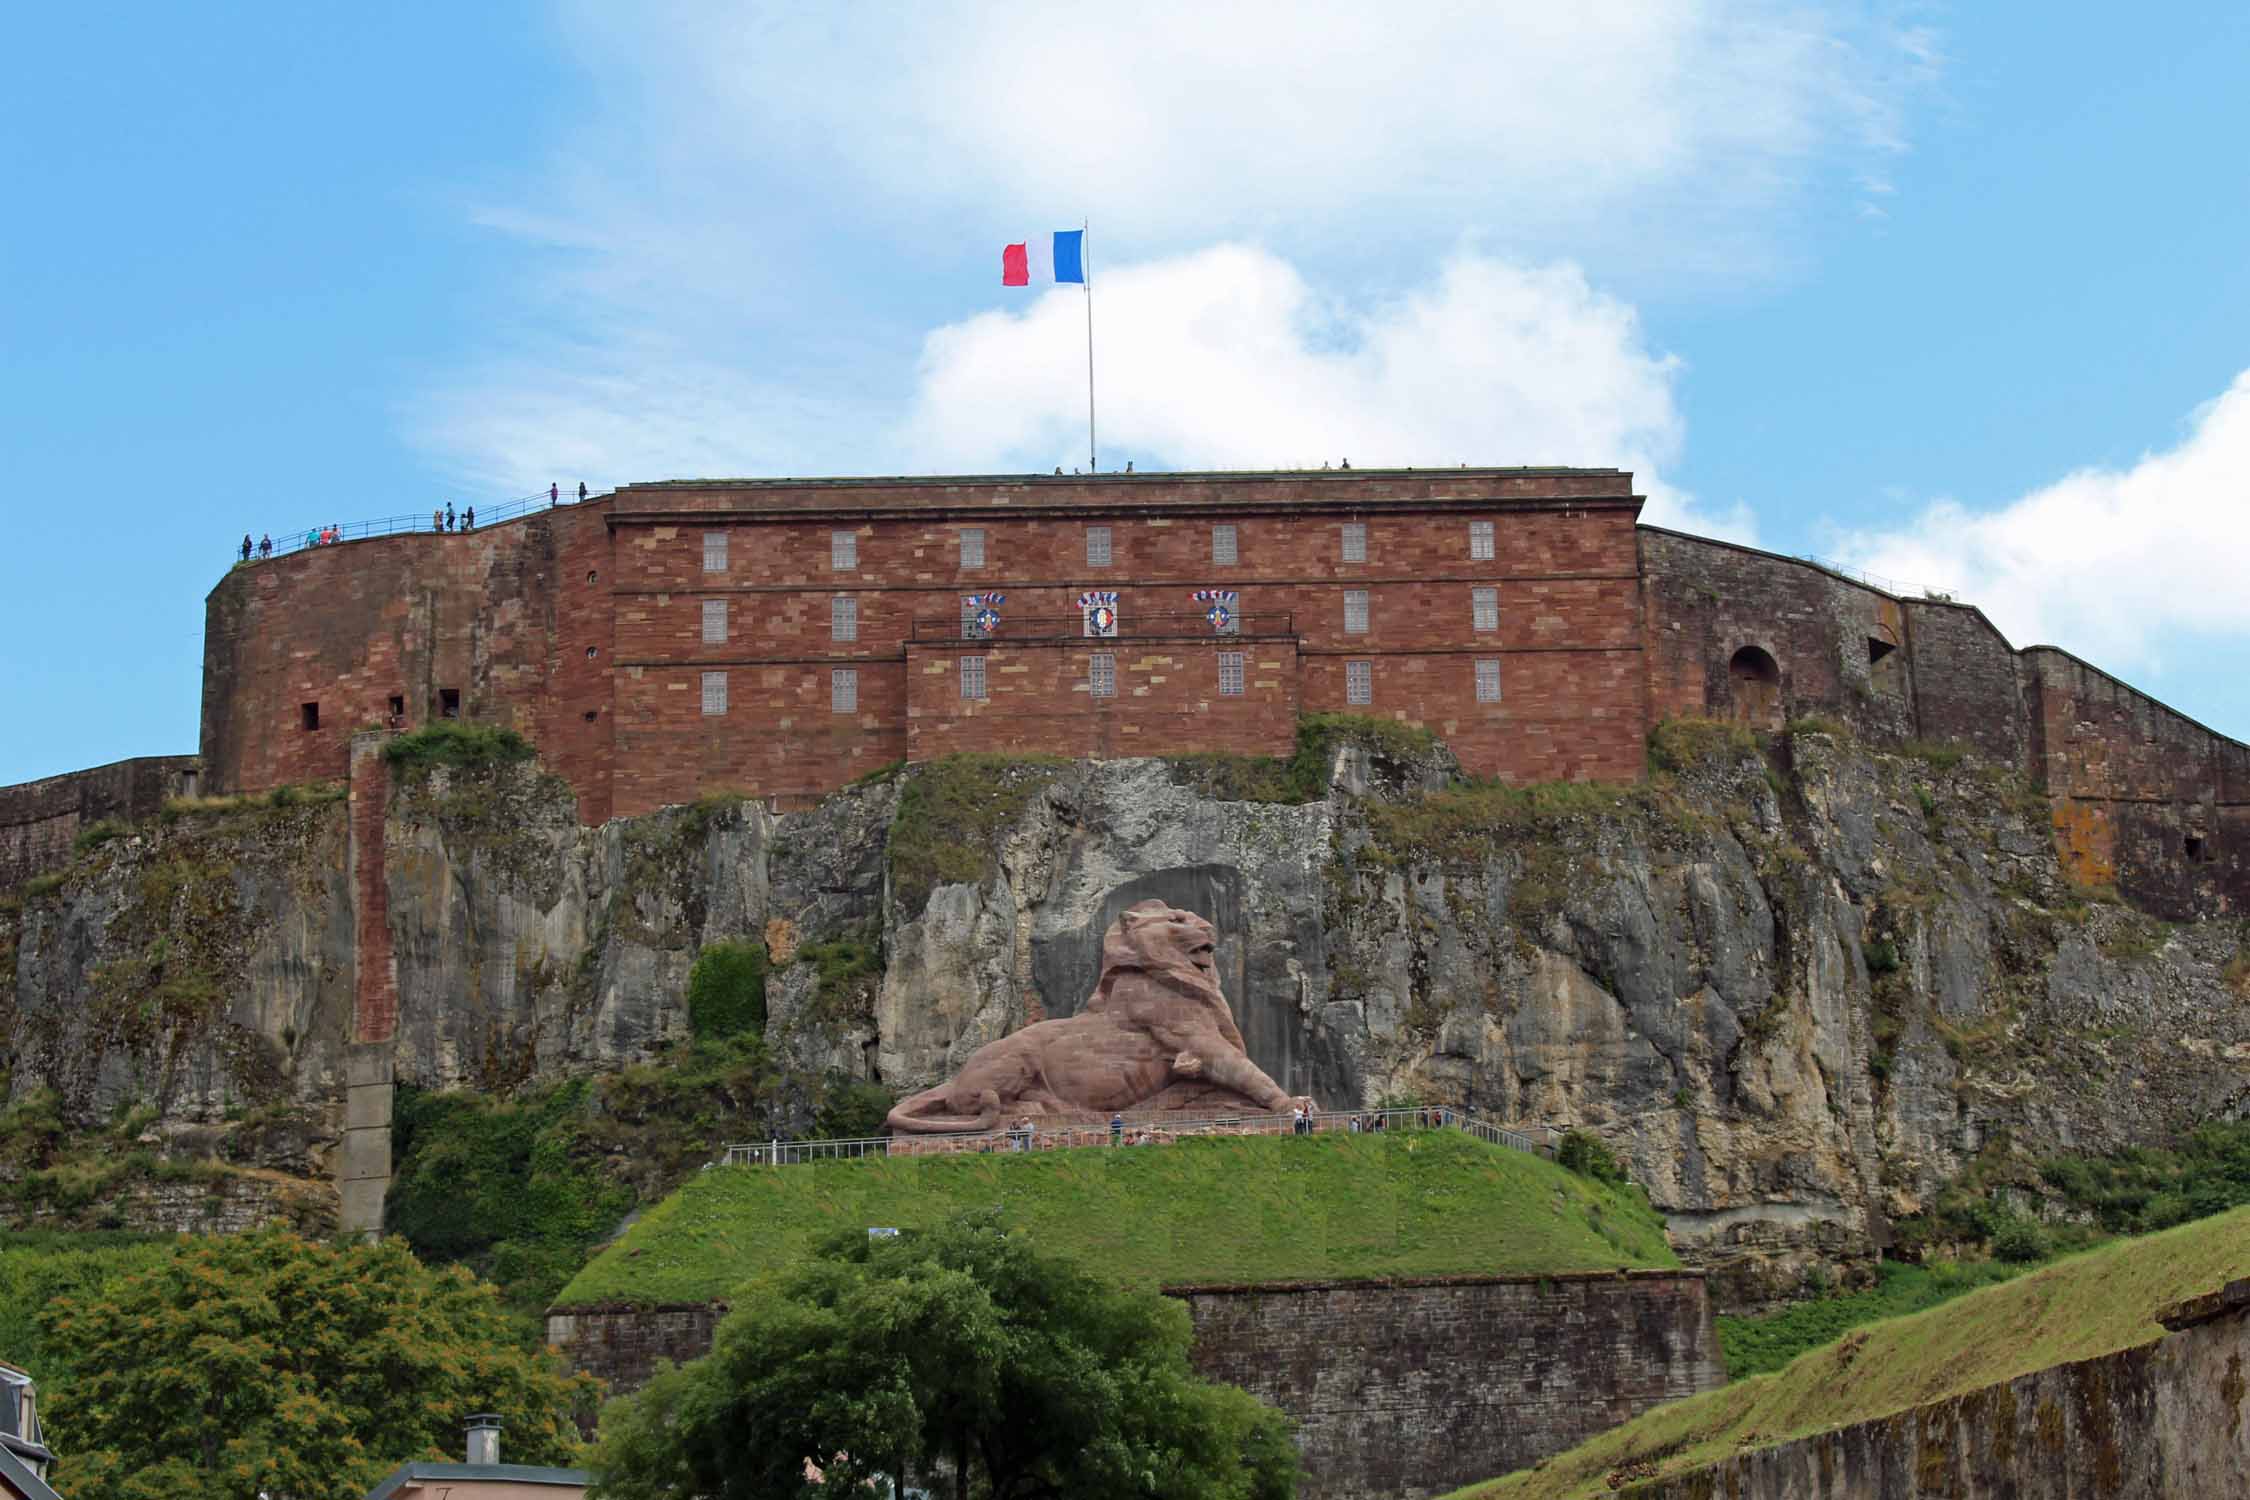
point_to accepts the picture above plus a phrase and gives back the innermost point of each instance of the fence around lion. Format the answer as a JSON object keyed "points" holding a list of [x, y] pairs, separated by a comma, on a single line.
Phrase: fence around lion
{"points": [[1143, 1128]]}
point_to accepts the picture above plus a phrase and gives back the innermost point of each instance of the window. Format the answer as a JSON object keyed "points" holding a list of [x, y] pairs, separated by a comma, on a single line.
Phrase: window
{"points": [[1484, 608], [1355, 611], [972, 547], [1480, 541], [1101, 675], [398, 711], [1230, 674], [843, 618], [714, 553], [1232, 624], [1097, 546], [1359, 682], [1488, 680], [309, 715], [970, 629], [843, 549], [714, 694], [714, 621], [843, 690], [1223, 546], [449, 703], [1355, 541], [972, 677]]}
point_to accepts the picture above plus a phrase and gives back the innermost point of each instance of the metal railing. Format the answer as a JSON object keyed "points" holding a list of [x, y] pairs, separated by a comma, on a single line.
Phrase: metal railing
{"points": [[327, 534], [1136, 1128], [1132, 627]]}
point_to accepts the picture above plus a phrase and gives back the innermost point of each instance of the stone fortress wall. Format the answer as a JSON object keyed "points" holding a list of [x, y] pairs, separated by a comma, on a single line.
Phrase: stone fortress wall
{"points": [[594, 629], [40, 820]]}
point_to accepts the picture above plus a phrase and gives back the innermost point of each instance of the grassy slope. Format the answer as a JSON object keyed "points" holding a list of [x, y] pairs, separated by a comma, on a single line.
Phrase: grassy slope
{"points": [[2087, 1305], [1229, 1209]]}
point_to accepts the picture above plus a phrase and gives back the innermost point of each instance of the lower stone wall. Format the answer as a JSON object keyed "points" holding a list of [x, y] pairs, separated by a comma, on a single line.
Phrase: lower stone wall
{"points": [[41, 820], [2168, 1419], [1415, 1387], [1400, 1388]]}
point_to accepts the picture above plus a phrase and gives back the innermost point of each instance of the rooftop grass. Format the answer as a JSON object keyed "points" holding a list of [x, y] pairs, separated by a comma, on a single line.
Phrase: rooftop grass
{"points": [[2096, 1303], [1208, 1210]]}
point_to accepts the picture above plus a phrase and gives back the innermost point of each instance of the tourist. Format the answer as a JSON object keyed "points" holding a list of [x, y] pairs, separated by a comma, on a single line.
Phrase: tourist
{"points": [[581, 491], [1116, 1129], [448, 515], [469, 519], [554, 494], [246, 546], [437, 520], [265, 544]]}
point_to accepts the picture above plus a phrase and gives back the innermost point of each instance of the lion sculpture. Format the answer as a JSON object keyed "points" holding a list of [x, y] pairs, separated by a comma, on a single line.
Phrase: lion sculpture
{"points": [[1156, 1034]]}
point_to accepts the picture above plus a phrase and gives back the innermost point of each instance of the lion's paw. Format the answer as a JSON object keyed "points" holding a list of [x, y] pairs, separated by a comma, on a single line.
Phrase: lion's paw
{"points": [[1188, 1065]]}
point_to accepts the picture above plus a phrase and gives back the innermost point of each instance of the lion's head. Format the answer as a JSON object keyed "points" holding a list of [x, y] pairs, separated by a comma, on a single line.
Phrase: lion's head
{"points": [[1152, 935]]}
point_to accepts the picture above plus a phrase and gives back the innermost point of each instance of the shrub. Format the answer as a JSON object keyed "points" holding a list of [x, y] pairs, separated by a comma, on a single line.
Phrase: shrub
{"points": [[94, 835], [449, 742], [2019, 1241], [1589, 1155], [1684, 743], [1819, 724], [726, 994], [1938, 755], [1881, 956]]}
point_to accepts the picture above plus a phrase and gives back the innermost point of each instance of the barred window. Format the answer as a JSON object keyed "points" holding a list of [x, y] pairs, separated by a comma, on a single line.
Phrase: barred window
{"points": [[714, 693], [1359, 682], [972, 547], [1232, 625], [970, 629], [714, 552], [843, 618], [843, 549], [1097, 546], [1484, 608], [714, 621], [1355, 611], [1488, 680], [1480, 541], [843, 690], [1230, 674], [1223, 546], [1101, 674], [1355, 541], [972, 677]]}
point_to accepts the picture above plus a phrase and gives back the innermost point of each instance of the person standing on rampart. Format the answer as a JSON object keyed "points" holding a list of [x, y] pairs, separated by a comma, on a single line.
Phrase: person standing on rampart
{"points": [[469, 519], [246, 546], [437, 520], [581, 492], [265, 545], [554, 494], [448, 515]]}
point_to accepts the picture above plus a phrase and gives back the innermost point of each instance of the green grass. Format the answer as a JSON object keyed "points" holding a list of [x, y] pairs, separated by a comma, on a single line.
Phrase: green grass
{"points": [[2091, 1304], [1757, 1346], [1223, 1209], [449, 742]]}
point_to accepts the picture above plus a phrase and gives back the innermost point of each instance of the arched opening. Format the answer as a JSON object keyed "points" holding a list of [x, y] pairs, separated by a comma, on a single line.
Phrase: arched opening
{"points": [[1755, 680]]}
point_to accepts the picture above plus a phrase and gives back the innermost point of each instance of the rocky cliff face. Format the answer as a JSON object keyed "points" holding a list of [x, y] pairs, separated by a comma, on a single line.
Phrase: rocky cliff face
{"points": [[1797, 989]]}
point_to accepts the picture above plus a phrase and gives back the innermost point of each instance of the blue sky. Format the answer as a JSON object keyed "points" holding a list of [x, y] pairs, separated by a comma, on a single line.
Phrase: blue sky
{"points": [[1958, 295]]}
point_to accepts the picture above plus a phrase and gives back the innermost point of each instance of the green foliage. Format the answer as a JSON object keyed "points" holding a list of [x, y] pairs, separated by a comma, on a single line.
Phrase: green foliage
{"points": [[1589, 1155], [1463, 825], [42, 885], [451, 742], [2022, 1241], [1754, 1346], [843, 965], [281, 798], [2078, 1308], [39, 1267], [726, 990], [1881, 956], [499, 1186], [1938, 755], [1927, 801], [851, 1110], [1403, 1203], [1686, 743], [960, 1345], [1303, 777], [1819, 724], [265, 1362], [2136, 1191], [952, 814], [96, 834]]}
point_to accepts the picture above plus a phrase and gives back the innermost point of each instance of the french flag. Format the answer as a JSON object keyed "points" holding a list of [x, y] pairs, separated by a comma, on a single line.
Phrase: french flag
{"points": [[1045, 259]]}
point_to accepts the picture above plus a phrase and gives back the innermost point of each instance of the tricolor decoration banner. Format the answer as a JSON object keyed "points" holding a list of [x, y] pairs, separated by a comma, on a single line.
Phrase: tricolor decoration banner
{"points": [[1099, 606], [1222, 602], [984, 611]]}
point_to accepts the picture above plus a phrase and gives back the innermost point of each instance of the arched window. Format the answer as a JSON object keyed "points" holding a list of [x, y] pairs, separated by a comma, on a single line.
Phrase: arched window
{"points": [[1755, 680]]}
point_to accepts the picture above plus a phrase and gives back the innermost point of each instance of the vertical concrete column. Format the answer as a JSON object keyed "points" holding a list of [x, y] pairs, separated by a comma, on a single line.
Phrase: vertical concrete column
{"points": [[363, 1173]]}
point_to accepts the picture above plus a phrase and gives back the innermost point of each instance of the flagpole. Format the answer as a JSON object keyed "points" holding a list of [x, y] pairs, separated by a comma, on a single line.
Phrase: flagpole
{"points": [[1086, 258]]}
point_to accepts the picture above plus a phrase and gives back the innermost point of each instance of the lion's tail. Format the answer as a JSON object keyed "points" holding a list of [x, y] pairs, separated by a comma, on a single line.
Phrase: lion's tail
{"points": [[923, 1114]]}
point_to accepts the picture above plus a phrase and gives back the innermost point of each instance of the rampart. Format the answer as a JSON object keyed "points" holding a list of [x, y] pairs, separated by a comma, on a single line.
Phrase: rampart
{"points": [[41, 820], [2164, 1420], [1399, 1388]]}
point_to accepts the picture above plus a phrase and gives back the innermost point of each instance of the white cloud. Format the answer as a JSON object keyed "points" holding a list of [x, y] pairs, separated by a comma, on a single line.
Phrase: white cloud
{"points": [[1229, 358], [2119, 566]]}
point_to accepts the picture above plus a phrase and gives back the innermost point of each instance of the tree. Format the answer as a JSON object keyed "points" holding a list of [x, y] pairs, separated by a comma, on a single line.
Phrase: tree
{"points": [[267, 1362], [957, 1359]]}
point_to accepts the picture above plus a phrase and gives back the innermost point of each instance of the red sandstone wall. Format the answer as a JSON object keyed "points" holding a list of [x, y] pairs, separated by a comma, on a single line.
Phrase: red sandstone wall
{"points": [[350, 626], [40, 820]]}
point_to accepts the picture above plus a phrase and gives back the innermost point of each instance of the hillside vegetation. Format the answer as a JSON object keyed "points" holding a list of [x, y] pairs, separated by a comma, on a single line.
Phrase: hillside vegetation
{"points": [[1226, 1209], [2091, 1304]]}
